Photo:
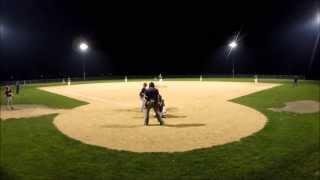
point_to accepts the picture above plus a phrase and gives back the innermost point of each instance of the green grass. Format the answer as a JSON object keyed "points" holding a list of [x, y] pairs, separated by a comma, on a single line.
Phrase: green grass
{"points": [[33, 95], [287, 148]]}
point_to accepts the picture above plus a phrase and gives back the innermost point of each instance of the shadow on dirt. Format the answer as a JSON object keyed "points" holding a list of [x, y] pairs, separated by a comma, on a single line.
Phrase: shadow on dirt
{"points": [[119, 126], [184, 125]]}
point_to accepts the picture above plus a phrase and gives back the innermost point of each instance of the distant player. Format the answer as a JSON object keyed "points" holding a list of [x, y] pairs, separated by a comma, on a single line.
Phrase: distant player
{"points": [[295, 80], [255, 79], [142, 95], [8, 95], [160, 78], [69, 81], [152, 102], [17, 87]]}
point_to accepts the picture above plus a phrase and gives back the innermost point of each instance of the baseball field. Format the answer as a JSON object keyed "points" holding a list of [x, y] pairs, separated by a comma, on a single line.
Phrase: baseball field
{"points": [[214, 129]]}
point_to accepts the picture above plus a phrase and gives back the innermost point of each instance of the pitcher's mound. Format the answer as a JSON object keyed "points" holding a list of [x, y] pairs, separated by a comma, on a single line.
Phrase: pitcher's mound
{"points": [[306, 106]]}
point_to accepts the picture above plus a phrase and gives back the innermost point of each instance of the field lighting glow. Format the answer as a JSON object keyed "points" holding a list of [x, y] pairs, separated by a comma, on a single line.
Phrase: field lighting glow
{"points": [[83, 46], [318, 18]]}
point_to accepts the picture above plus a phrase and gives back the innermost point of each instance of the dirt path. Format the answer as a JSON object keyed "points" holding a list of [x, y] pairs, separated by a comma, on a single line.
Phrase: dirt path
{"points": [[302, 107], [199, 115], [26, 111]]}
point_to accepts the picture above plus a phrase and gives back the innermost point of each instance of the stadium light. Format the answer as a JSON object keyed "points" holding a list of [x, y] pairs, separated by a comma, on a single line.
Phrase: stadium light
{"points": [[233, 44], [83, 47], [316, 43]]}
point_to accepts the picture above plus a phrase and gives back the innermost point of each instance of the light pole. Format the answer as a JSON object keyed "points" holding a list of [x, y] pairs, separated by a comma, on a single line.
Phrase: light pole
{"points": [[1, 31], [83, 47], [232, 45], [316, 43]]}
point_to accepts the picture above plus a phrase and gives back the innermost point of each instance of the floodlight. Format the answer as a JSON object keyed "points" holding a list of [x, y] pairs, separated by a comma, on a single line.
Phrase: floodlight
{"points": [[318, 18], [83, 47], [233, 44]]}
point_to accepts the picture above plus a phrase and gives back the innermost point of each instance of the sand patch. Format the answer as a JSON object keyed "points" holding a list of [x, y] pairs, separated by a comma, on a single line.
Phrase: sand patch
{"points": [[26, 111], [306, 106], [200, 115]]}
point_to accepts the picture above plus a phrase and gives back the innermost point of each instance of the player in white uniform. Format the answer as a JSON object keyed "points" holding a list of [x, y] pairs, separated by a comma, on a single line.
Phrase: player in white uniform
{"points": [[142, 96]]}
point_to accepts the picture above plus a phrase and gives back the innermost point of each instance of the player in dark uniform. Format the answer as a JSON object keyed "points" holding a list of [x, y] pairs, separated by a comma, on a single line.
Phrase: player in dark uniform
{"points": [[152, 102], [295, 80], [17, 87], [8, 94], [141, 95]]}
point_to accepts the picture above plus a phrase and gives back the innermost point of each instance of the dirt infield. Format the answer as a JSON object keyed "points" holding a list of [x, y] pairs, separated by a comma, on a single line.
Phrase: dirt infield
{"points": [[302, 107], [199, 115], [26, 111]]}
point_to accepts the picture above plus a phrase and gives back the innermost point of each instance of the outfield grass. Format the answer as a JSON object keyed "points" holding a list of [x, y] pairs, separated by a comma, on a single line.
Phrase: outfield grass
{"points": [[287, 148], [33, 95]]}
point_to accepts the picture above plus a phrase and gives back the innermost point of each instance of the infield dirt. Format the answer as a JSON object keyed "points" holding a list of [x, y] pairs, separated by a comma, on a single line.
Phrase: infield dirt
{"points": [[200, 115]]}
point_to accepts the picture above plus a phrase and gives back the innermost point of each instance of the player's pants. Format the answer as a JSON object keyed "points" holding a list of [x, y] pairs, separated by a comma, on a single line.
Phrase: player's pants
{"points": [[17, 90], [149, 106], [9, 102], [143, 101]]}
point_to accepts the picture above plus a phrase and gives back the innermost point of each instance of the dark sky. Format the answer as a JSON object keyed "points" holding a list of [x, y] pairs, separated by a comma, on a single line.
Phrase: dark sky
{"points": [[39, 37]]}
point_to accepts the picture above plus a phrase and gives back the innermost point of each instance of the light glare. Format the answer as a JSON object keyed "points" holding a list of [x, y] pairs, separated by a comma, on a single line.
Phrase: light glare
{"points": [[318, 18], [233, 44], [83, 47]]}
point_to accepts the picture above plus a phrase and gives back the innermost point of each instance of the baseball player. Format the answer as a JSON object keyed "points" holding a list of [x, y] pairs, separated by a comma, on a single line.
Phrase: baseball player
{"points": [[255, 77], [162, 107], [152, 102], [8, 95], [17, 87], [160, 78], [142, 95], [295, 81], [69, 81]]}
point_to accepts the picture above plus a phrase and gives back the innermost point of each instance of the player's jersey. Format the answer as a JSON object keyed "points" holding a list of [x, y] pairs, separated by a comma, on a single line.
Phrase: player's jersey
{"points": [[142, 92], [8, 92], [152, 94]]}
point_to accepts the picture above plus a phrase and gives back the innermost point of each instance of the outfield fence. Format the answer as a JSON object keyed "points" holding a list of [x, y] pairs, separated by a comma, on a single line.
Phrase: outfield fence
{"points": [[204, 77]]}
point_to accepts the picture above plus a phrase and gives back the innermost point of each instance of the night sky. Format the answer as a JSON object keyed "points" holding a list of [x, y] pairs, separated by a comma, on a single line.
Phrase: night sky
{"points": [[39, 38]]}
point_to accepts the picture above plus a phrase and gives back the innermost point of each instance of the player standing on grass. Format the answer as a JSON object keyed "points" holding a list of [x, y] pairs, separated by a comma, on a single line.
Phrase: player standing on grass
{"points": [[142, 94], [8, 95], [152, 102], [17, 87], [295, 81]]}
